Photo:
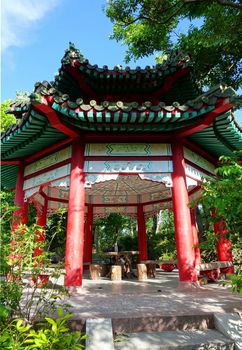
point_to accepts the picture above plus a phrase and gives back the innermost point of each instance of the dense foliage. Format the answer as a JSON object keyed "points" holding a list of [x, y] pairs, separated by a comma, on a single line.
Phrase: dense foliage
{"points": [[6, 119], [161, 244], [210, 30], [224, 193], [111, 229], [29, 291]]}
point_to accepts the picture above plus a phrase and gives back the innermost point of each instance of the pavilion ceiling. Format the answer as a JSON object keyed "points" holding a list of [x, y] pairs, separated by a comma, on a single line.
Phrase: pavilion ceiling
{"points": [[121, 195]]}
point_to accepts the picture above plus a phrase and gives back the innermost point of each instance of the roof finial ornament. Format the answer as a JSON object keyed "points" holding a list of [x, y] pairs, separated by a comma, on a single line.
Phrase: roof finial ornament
{"points": [[72, 46], [72, 53]]}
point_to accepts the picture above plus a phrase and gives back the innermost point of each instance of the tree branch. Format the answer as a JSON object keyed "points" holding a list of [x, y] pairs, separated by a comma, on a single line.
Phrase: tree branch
{"points": [[150, 19], [229, 4]]}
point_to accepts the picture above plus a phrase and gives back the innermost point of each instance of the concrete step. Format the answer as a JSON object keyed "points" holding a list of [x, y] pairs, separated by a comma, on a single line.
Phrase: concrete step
{"points": [[231, 326], [169, 340], [99, 334]]}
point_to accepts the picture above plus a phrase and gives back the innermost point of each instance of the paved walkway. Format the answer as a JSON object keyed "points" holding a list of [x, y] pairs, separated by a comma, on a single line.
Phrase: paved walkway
{"points": [[160, 297]]}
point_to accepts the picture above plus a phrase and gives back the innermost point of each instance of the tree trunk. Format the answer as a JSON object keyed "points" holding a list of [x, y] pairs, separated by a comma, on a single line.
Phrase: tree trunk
{"points": [[154, 226]]}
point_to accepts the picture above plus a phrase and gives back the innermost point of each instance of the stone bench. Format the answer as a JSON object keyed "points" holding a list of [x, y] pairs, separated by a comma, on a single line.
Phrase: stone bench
{"points": [[212, 271]]}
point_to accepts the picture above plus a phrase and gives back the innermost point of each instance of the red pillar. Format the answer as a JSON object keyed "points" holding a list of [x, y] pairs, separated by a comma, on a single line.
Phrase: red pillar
{"points": [[142, 238], [20, 215], [41, 221], [223, 245], [182, 218], [75, 221], [195, 236], [88, 235]]}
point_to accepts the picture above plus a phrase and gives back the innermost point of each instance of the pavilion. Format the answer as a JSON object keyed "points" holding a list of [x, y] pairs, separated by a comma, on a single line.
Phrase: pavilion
{"points": [[131, 141]]}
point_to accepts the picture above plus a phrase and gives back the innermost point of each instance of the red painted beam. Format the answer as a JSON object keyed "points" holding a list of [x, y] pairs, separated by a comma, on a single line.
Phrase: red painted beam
{"points": [[42, 193], [222, 107], [14, 162], [195, 189], [53, 118], [145, 137], [46, 197], [81, 80]]}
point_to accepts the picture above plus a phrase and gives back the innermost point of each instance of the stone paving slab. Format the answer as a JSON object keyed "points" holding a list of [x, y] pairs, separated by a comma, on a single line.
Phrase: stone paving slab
{"points": [[183, 340]]}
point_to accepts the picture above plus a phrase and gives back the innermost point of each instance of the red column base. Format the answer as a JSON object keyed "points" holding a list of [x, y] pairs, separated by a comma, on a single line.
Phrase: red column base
{"points": [[73, 278]]}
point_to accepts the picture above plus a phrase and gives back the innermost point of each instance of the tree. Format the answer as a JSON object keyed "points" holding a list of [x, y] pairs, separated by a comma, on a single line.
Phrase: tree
{"points": [[110, 229], [161, 243], [6, 119], [213, 38]]}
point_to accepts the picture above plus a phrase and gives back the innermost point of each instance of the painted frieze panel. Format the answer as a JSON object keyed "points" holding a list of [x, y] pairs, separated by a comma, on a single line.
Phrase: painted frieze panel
{"points": [[47, 177], [56, 192], [164, 178], [127, 149], [47, 161], [63, 182], [29, 193], [152, 209], [194, 173], [106, 211], [198, 160], [91, 179], [127, 166]]}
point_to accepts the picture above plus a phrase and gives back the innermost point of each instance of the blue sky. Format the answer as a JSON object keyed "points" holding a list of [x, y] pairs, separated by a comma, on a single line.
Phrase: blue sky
{"points": [[35, 34]]}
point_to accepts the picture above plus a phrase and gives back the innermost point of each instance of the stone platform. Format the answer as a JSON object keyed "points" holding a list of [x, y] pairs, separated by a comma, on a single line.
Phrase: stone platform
{"points": [[151, 306]]}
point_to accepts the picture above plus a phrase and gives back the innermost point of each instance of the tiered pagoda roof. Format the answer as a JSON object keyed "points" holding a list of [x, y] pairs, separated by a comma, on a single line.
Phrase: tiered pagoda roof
{"points": [[161, 102]]}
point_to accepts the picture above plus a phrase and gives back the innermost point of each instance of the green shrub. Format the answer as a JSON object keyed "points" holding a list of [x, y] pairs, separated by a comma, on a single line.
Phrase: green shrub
{"points": [[53, 334]]}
